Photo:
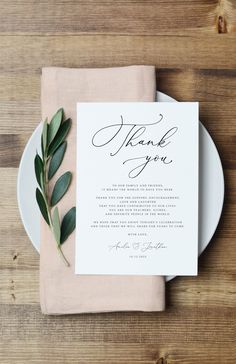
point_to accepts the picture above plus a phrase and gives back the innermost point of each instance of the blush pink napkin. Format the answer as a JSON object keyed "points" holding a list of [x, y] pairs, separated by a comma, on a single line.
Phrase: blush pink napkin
{"points": [[61, 291]]}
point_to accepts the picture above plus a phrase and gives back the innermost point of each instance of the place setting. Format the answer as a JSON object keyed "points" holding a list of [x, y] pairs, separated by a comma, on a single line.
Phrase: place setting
{"points": [[120, 189]]}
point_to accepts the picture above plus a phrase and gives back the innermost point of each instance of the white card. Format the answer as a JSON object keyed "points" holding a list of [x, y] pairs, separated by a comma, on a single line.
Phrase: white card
{"points": [[137, 188]]}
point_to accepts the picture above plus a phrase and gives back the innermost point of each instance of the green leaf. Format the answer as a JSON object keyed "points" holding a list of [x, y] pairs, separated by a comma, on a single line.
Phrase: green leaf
{"points": [[60, 188], [68, 224], [42, 183], [56, 225], [42, 205], [38, 168], [42, 150], [44, 137], [61, 134], [54, 125], [56, 160]]}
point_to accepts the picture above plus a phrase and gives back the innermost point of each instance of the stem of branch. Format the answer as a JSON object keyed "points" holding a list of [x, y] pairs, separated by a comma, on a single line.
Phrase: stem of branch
{"points": [[48, 207]]}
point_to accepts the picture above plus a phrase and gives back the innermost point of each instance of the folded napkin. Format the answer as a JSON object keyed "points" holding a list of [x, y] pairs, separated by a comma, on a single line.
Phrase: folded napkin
{"points": [[61, 290]]}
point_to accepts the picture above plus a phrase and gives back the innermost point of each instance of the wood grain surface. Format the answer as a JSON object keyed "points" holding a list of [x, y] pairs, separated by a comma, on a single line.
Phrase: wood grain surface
{"points": [[192, 43]]}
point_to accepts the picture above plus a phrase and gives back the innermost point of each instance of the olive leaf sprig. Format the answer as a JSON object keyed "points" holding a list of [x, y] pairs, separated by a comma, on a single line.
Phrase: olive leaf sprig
{"points": [[53, 147]]}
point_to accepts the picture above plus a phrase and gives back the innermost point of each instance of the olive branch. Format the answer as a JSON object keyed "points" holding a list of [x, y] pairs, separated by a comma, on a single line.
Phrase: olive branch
{"points": [[53, 147]]}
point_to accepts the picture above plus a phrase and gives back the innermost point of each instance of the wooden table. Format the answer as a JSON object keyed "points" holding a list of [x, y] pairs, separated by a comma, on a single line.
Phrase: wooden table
{"points": [[192, 43]]}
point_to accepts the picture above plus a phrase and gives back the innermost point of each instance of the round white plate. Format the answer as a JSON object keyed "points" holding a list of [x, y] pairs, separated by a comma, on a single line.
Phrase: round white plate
{"points": [[211, 186]]}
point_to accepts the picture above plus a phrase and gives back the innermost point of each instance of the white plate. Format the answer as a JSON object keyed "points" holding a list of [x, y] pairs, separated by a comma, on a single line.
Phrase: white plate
{"points": [[211, 186]]}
